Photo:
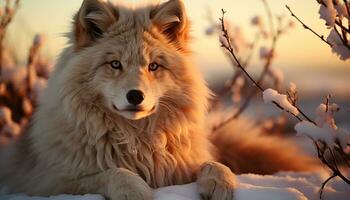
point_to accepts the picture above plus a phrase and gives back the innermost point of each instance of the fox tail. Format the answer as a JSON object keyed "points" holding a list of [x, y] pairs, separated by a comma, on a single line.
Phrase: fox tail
{"points": [[244, 148]]}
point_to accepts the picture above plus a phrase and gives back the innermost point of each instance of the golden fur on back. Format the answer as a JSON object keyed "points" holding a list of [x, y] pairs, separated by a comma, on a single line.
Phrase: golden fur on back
{"points": [[75, 132]]}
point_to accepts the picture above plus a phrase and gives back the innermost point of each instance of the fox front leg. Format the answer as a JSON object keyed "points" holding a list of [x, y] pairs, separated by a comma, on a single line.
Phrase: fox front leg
{"points": [[114, 184], [216, 182]]}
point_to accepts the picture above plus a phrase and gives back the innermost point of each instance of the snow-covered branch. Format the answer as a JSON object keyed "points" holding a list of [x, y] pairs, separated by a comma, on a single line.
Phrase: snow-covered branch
{"points": [[322, 131], [267, 54], [226, 44], [336, 14]]}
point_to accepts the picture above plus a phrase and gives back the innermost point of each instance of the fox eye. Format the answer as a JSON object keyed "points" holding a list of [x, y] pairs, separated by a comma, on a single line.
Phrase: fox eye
{"points": [[153, 66], [116, 64]]}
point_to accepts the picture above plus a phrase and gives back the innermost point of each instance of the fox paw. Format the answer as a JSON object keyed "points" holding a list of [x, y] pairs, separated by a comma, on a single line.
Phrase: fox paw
{"points": [[132, 187], [216, 182]]}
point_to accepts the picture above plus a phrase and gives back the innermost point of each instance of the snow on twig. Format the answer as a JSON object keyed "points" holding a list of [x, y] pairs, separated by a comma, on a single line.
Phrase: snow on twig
{"points": [[326, 135], [270, 95], [333, 12], [231, 51]]}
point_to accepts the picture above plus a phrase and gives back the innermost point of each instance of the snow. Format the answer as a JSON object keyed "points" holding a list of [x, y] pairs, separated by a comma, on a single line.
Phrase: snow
{"points": [[326, 116], [341, 9], [271, 95], [281, 186], [337, 45], [325, 129], [326, 133], [328, 13]]}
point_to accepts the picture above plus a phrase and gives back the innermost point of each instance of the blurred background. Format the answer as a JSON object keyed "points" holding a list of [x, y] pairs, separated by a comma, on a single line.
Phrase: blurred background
{"points": [[301, 56]]}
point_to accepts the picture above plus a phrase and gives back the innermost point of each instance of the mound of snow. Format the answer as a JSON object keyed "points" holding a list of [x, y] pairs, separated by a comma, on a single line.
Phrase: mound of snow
{"points": [[270, 95], [281, 186]]}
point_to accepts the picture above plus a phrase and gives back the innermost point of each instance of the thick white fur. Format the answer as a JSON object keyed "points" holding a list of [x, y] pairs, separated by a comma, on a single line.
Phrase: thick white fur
{"points": [[79, 144]]}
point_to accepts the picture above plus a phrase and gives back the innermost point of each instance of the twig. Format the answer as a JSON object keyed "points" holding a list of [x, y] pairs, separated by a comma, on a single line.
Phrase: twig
{"points": [[269, 15], [304, 115], [342, 154], [325, 183], [337, 22], [246, 62], [335, 170], [307, 27], [347, 9], [275, 35], [260, 79], [327, 99], [229, 48], [341, 38], [342, 26], [334, 159]]}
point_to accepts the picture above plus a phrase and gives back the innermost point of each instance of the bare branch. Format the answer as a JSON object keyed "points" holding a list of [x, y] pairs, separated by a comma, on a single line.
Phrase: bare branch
{"points": [[229, 48], [337, 22], [275, 36], [341, 38], [269, 15], [347, 8], [325, 183], [308, 28], [334, 168], [342, 26]]}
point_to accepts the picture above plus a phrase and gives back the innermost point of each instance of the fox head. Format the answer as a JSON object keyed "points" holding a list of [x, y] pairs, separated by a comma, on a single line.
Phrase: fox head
{"points": [[134, 62]]}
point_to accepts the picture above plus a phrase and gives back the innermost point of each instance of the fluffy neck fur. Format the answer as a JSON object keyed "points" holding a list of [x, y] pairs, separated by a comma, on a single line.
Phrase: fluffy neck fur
{"points": [[82, 137], [86, 138]]}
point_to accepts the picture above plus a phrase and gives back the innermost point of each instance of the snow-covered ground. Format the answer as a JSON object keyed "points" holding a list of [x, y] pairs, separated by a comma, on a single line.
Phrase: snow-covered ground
{"points": [[281, 186]]}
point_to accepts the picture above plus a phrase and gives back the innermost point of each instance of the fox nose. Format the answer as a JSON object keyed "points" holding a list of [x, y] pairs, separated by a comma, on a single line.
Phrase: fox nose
{"points": [[135, 97]]}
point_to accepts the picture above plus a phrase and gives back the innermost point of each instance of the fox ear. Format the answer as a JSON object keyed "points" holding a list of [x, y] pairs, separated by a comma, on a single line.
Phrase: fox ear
{"points": [[170, 18], [92, 20]]}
